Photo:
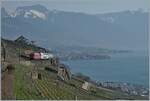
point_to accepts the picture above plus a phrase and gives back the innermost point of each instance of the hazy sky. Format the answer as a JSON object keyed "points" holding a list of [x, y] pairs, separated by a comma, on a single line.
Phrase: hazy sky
{"points": [[87, 6]]}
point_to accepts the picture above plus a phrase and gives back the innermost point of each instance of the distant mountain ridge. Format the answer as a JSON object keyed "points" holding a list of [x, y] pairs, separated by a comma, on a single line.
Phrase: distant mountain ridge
{"points": [[122, 30]]}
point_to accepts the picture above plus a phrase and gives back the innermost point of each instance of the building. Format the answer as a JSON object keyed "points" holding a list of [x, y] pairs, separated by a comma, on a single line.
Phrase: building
{"points": [[64, 72], [86, 85]]}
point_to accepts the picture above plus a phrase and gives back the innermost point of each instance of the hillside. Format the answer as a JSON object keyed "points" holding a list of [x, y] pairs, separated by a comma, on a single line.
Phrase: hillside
{"points": [[23, 78], [117, 30]]}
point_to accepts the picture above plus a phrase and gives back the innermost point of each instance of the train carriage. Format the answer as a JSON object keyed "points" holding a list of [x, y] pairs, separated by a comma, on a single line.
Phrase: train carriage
{"points": [[41, 56], [35, 56]]}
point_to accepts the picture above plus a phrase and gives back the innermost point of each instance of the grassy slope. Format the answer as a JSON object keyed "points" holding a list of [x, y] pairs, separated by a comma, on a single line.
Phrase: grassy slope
{"points": [[51, 88], [47, 88]]}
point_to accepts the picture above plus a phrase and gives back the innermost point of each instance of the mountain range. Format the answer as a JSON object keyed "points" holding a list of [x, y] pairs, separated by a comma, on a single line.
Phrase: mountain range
{"points": [[51, 28]]}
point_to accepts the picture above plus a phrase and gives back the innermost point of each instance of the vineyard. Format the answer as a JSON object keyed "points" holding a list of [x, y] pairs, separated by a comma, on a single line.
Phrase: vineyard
{"points": [[24, 87], [24, 82], [47, 88]]}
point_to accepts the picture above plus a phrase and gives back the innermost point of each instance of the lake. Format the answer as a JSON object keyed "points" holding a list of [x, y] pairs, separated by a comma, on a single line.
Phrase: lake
{"points": [[125, 67]]}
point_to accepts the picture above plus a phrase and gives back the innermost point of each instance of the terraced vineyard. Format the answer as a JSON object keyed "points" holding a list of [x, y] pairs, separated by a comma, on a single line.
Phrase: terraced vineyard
{"points": [[51, 88], [47, 88]]}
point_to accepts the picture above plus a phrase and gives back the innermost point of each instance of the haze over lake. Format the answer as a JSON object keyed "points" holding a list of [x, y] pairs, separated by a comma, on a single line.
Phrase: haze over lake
{"points": [[128, 67]]}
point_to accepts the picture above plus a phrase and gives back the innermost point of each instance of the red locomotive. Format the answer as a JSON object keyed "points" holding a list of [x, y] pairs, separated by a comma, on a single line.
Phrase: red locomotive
{"points": [[40, 56]]}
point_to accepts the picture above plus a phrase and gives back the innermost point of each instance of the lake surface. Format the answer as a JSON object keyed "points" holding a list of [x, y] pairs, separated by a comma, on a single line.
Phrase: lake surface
{"points": [[132, 68]]}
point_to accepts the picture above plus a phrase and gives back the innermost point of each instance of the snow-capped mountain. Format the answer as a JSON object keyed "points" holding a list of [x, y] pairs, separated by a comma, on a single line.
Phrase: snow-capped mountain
{"points": [[123, 29], [36, 11], [29, 14], [119, 17]]}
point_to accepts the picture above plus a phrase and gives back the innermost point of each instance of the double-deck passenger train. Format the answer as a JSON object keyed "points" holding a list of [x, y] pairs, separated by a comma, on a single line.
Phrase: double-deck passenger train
{"points": [[41, 56]]}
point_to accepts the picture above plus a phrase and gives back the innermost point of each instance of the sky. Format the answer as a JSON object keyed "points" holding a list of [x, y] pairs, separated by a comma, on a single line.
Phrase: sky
{"points": [[86, 6]]}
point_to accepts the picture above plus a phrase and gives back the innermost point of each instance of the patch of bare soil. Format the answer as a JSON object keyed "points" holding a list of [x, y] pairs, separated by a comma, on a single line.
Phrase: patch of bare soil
{"points": [[7, 84]]}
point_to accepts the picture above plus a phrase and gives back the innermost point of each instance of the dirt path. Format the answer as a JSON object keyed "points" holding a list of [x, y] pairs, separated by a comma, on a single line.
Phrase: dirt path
{"points": [[7, 84]]}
